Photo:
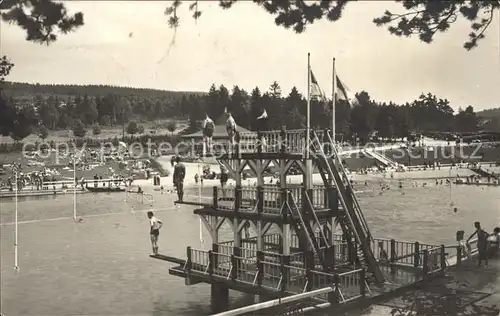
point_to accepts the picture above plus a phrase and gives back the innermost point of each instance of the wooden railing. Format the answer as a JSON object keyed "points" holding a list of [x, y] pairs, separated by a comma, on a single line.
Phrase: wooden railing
{"points": [[259, 270], [266, 199], [141, 198], [399, 252], [292, 275], [456, 254], [388, 251], [278, 141]]}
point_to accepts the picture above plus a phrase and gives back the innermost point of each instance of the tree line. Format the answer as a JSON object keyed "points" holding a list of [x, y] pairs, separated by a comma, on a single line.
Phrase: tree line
{"points": [[77, 111]]}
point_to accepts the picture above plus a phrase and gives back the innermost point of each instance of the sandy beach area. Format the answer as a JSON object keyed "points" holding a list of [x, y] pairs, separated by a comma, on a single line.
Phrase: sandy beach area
{"points": [[197, 168]]}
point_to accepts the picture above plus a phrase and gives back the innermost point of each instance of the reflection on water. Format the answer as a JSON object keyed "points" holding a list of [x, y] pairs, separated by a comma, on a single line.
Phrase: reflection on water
{"points": [[101, 265]]}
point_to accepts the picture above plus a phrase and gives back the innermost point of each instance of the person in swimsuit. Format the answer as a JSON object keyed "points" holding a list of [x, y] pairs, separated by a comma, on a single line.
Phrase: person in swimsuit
{"points": [[179, 175], [482, 243], [155, 225], [223, 179], [208, 131], [231, 129]]}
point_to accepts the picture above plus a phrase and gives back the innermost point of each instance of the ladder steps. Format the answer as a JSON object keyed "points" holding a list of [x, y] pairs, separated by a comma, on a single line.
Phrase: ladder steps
{"points": [[353, 220]]}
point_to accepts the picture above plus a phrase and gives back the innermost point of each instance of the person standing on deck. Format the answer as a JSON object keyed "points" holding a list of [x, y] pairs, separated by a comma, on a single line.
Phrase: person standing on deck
{"points": [[262, 123], [482, 243], [155, 225], [224, 177], [179, 175], [231, 128], [208, 131]]}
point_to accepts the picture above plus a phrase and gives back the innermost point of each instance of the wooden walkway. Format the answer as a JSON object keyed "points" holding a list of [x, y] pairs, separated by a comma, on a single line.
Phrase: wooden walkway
{"points": [[273, 197], [275, 275]]}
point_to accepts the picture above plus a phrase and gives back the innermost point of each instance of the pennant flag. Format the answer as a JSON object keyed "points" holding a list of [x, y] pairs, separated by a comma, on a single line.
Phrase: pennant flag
{"points": [[263, 115], [207, 121], [316, 92], [343, 93]]}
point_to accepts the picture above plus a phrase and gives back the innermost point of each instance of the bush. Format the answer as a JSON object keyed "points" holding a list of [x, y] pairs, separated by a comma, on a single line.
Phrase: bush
{"points": [[158, 167], [96, 130]]}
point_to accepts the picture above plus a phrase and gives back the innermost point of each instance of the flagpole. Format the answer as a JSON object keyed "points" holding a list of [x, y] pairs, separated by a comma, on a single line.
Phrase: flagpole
{"points": [[199, 197], [334, 92], [308, 180], [16, 252], [308, 115], [74, 188]]}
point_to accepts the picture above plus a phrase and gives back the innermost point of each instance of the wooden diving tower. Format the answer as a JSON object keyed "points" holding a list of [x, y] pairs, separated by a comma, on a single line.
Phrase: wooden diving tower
{"points": [[305, 236]]}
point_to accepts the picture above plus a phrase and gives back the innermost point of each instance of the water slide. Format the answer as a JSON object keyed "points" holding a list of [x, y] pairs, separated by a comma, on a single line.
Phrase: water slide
{"points": [[389, 163]]}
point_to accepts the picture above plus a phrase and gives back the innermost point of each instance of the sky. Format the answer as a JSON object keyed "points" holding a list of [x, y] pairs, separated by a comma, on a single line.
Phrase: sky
{"points": [[128, 43]]}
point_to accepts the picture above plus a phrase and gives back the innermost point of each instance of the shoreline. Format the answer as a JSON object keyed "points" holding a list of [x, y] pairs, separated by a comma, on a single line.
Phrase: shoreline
{"points": [[410, 175]]}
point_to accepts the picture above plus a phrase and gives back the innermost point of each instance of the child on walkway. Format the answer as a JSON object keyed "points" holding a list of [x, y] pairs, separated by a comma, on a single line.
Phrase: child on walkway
{"points": [[155, 225]]}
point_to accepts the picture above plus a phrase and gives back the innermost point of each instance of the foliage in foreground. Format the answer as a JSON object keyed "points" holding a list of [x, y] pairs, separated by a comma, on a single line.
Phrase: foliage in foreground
{"points": [[452, 297]]}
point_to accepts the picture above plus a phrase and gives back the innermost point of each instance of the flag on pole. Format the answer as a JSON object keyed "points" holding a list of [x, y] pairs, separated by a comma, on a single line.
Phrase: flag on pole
{"points": [[199, 197], [343, 93], [316, 92], [263, 115]]}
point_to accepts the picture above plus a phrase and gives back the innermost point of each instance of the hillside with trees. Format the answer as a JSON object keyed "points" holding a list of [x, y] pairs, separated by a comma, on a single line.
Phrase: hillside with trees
{"points": [[490, 113], [52, 107], [27, 90]]}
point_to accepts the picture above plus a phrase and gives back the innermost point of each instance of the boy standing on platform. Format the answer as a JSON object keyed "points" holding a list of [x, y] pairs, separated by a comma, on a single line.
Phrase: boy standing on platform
{"points": [[179, 175], [155, 225]]}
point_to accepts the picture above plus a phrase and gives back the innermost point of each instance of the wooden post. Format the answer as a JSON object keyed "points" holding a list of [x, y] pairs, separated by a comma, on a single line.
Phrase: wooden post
{"points": [[215, 257], [237, 198], [284, 275], [189, 264], [425, 267], [216, 198], [326, 144], [416, 254], [459, 255], [362, 283], [219, 297], [234, 263], [285, 260], [393, 251], [443, 258], [283, 140], [309, 267], [260, 267], [259, 142], [310, 208], [260, 199], [210, 263], [326, 199], [333, 297], [333, 253], [237, 145]]}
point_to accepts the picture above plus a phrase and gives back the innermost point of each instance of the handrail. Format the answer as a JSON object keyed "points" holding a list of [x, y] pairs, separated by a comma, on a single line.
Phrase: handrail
{"points": [[317, 220], [360, 214], [276, 302], [360, 223], [301, 220], [344, 203]]}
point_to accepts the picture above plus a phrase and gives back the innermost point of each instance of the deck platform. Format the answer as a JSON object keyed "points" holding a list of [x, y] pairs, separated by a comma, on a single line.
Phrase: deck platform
{"points": [[295, 251], [272, 275], [466, 287], [267, 201], [37, 193]]}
